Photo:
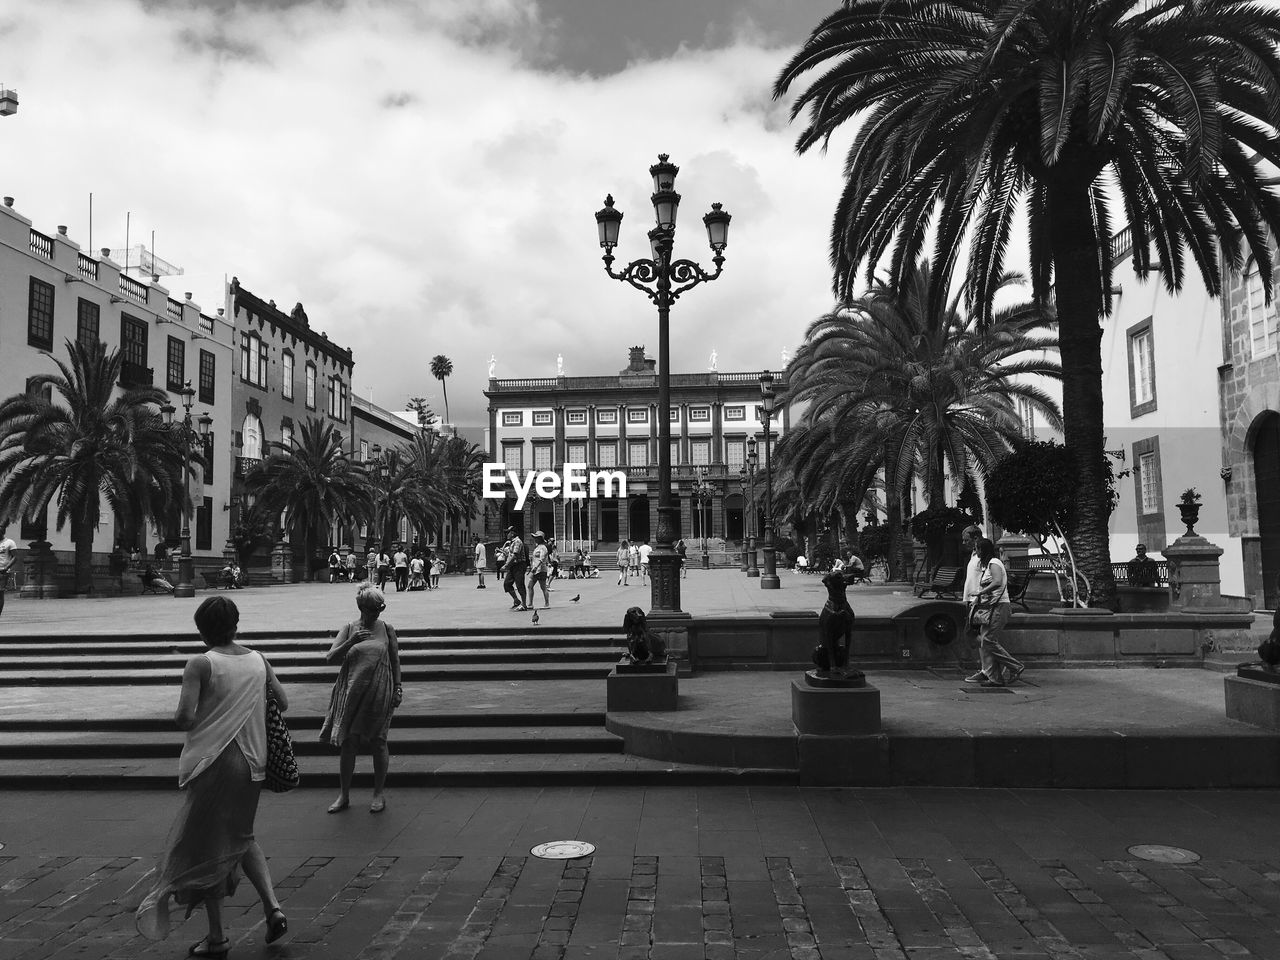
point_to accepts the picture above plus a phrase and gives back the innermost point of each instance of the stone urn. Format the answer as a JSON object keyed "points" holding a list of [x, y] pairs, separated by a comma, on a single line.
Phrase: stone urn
{"points": [[1190, 515]]}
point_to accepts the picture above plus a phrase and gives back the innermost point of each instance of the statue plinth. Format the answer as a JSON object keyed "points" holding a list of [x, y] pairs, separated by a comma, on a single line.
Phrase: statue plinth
{"points": [[1194, 577], [835, 679], [642, 686], [831, 711]]}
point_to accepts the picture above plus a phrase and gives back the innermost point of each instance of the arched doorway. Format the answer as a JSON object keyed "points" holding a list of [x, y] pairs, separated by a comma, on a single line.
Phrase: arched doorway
{"points": [[638, 519], [251, 438], [1266, 475]]}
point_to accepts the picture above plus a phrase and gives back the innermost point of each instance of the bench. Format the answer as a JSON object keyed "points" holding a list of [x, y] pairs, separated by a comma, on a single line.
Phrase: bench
{"points": [[946, 580], [149, 586], [1017, 585]]}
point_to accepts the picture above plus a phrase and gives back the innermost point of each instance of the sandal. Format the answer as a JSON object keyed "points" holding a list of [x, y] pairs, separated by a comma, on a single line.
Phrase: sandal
{"points": [[339, 805], [209, 950], [378, 805], [277, 925]]}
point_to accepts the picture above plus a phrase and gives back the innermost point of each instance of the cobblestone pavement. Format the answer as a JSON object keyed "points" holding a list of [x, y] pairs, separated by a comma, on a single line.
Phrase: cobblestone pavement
{"points": [[724, 872]]}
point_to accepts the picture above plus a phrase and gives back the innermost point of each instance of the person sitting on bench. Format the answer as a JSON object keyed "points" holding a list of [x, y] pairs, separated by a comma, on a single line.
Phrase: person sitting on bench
{"points": [[153, 581]]}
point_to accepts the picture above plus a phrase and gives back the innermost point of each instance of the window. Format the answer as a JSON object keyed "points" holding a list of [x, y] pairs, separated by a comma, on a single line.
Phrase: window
{"points": [[364, 451], [607, 453], [311, 386], [207, 376], [286, 436], [735, 454], [263, 354], [1262, 319], [512, 418], [253, 360], [336, 389], [1142, 371], [542, 418], [607, 416], [699, 414], [87, 322], [674, 415], [204, 524], [513, 456], [735, 413], [286, 375], [577, 416], [176, 365], [637, 415], [1149, 482], [251, 438], [638, 453], [40, 315], [207, 453], [675, 452], [133, 340], [542, 456], [577, 453], [700, 452]]}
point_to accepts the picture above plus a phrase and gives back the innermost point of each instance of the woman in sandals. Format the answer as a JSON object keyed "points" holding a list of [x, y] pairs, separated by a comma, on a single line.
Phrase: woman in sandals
{"points": [[364, 695], [222, 708], [999, 666]]}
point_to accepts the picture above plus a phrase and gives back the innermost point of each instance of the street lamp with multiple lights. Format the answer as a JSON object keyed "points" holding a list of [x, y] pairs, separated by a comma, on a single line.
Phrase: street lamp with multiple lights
{"points": [[662, 280], [704, 491], [753, 462], [768, 400], [185, 434]]}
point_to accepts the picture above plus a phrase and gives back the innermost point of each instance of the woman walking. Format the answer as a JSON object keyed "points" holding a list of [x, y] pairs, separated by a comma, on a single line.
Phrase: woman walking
{"points": [[222, 708], [364, 695], [624, 563], [1000, 667]]}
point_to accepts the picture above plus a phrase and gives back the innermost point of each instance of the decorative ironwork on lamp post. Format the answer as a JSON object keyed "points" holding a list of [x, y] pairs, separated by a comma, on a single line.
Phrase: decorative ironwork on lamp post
{"points": [[753, 461], [769, 579], [185, 433], [663, 280], [704, 491]]}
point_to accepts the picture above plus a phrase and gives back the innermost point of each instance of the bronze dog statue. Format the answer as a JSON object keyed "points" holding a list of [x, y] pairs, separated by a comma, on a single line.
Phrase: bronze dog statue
{"points": [[835, 627], [643, 645]]}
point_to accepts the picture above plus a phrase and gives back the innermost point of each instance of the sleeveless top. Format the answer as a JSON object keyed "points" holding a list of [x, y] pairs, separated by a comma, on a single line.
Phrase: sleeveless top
{"points": [[233, 709], [1002, 596]]}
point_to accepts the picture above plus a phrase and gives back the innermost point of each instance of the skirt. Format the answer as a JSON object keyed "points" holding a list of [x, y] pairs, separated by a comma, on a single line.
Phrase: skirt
{"points": [[212, 832]]}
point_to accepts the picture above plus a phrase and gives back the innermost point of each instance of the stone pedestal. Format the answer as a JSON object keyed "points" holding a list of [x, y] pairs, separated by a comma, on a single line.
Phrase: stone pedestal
{"points": [[1253, 696], [1016, 551], [1194, 579], [642, 686], [282, 563], [834, 711], [40, 580]]}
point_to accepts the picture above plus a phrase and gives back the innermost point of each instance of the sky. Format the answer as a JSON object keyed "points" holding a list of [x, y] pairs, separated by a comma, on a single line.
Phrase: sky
{"points": [[422, 174]]}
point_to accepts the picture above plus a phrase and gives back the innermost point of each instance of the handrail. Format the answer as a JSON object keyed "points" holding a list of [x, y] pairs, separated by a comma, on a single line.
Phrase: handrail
{"points": [[174, 308], [132, 289], [88, 266], [41, 244]]}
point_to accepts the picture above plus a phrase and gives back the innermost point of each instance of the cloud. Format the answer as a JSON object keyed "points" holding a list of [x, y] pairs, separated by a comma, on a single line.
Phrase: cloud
{"points": [[417, 182]]}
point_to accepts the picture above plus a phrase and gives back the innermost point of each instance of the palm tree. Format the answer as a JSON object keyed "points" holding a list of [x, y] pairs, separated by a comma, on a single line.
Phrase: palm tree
{"points": [[313, 483], [441, 369], [893, 384], [91, 444], [449, 466], [1072, 110]]}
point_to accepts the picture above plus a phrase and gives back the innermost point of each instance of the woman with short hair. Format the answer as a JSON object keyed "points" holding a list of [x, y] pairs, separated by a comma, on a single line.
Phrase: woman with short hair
{"points": [[999, 666], [222, 708], [624, 562], [365, 693]]}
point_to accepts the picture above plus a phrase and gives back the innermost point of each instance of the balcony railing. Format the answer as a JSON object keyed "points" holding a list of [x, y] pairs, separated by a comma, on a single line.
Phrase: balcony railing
{"points": [[135, 375], [41, 245], [132, 289], [245, 465], [88, 266], [174, 309]]}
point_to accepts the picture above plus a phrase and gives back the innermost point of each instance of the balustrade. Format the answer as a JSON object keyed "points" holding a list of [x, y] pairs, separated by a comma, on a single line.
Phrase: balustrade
{"points": [[41, 245]]}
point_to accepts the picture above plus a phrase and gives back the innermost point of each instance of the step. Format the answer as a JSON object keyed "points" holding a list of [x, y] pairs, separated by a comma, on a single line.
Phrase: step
{"points": [[188, 645], [15, 674], [312, 658], [438, 771], [511, 741], [312, 722], [516, 631]]}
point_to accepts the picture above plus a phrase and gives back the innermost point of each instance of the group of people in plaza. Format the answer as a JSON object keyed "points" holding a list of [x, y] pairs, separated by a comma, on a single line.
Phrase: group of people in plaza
{"points": [[409, 568], [633, 561]]}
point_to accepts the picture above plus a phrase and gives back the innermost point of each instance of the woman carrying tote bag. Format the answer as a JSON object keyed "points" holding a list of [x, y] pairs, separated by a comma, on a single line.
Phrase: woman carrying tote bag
{"points": [[992, 606]]}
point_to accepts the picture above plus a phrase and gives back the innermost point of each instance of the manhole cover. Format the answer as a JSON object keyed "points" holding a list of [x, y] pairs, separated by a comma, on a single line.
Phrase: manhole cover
{"points": [[1159, 853], [563, 850]]}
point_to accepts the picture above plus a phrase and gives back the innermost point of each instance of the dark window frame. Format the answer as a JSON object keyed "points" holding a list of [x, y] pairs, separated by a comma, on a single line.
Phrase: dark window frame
{"points": [[40, 314], [128, 345], [208, 376], [175, 362], [310, 385], [287, 370], [88, 320], [204, 524], [1137, 409], [1151, 526]]}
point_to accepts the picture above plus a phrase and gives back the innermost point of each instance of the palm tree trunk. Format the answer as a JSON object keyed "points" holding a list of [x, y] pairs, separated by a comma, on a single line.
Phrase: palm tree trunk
{"points": [[1077, 288], [444, 387], [893, 515], [83, 525]]}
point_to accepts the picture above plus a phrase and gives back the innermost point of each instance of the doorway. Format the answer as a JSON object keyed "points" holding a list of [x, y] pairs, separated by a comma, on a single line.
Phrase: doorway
{"points": [[734, 515], [638, 519], [1266, 475], [608, 520]]}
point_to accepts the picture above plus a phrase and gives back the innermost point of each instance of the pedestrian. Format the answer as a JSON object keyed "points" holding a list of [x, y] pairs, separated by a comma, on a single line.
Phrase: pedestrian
{"points": [[335, 564], [682, 552], [633, 559], [8, 556], [624, 562], [371, 565], [969, 539], [515, 567], [437, 568], [349, 566], [539, 563], [645, 551], [222, 708], [553, 561], [999, 667], [384, 568], [152, 579], [417, 569], [401, 561], [366, 692], [481, 554]]}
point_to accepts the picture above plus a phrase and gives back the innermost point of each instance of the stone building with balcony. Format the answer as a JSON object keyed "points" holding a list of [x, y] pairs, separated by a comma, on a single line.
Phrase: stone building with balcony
{"points": [[285, 373], [51, 291], [610, 423]]}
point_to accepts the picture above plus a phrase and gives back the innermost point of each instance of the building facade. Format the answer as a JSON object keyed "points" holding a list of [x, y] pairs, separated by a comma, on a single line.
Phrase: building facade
{"points": [[610, 423], [1249, 392], [51, 292]]}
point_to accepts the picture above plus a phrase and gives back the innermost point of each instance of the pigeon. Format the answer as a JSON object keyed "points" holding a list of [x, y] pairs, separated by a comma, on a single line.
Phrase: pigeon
{"points": [[535, 616], [576, 599]]}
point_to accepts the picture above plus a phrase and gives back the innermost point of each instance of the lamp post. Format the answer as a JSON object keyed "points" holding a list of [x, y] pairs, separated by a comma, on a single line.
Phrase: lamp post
{"points": [[662, 280], [769, 579], [753, 461], [186, 434], [704, 491], [742, 488]]}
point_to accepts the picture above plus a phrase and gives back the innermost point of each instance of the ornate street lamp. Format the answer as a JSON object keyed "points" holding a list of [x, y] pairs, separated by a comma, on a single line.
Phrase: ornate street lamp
{"points": [[769, 579], [185, 433], [704, 491], [662, 280], [753, 461], [742, 488]]}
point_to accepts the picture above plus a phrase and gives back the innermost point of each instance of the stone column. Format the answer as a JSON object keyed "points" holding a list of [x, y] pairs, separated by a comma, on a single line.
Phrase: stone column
{"points": [[1016, 550], [282, 562], [717, 434], [558, 453], [686, 456], [493, 434], [1194, 578], [40, 581], [623, 459], [592, 453]]}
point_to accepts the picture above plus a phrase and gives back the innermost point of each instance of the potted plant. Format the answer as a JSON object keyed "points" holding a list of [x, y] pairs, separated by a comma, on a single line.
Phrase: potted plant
{"points": [[1189, 507]]}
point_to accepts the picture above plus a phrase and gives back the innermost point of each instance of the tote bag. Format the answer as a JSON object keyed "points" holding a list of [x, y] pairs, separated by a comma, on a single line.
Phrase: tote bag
{"points": [[282, 766]]}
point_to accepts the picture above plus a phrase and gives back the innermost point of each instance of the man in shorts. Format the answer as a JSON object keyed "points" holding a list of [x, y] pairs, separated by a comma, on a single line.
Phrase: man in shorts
{"points": [[482, 557], [645, 550], [8, 555], [517, 565]]}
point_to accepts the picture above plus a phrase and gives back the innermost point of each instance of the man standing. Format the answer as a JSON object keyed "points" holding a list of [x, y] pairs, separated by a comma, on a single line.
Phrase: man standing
{"points": [[402, 568], [482, 557], [8, 554], [645, 550], [970, 538], [517, 564]]}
